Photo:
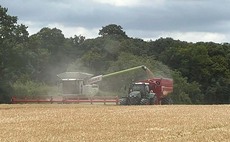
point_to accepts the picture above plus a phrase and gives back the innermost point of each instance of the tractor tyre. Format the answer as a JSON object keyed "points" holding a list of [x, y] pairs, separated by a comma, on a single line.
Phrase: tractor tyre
{"points": [[123, 101], [166, 101], [134, 101], [154, 100], [145, 102]]}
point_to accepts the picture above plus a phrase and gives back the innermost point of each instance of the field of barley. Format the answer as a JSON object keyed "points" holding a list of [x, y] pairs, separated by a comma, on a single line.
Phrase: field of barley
{"points": [[76, 122]]}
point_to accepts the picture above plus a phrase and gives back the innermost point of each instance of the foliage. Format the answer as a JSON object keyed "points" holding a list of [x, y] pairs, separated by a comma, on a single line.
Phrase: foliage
{"points": [[50, 51], [112, 30], [201, 71], [205, 63], [29, 89], [184, 92], [12, 39]]}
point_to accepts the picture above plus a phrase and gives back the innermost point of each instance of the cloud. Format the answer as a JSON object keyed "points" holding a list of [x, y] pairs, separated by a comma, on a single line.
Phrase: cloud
{"points": [[183, 36], [130, 3], [68, 31], [196, 36], [119, 2], [33, 27], [139, 18], [71, 31]]}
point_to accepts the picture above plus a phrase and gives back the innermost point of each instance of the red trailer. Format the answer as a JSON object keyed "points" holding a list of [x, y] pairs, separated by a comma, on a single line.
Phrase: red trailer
{"points": [[150, 91], [161, 87]]}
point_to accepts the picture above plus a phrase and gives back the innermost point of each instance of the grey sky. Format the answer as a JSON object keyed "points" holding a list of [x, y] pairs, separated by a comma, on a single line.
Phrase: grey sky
{"points": [[189, 20]]}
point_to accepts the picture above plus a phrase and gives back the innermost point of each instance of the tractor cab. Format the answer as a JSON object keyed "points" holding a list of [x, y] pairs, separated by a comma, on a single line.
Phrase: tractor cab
{"points": [[139, 94], [142, 88]]}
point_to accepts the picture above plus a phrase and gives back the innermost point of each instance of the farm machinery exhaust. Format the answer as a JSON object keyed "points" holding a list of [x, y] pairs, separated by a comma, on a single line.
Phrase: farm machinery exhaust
{"points": [[77, 87]]}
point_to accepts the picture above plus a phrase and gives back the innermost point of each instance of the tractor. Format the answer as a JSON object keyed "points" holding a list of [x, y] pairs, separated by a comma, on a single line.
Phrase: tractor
{"points": [[149, 92]]}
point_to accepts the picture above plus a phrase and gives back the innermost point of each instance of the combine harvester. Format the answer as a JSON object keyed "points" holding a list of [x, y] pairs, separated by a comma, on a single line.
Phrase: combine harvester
{"points": [[78, 87]]}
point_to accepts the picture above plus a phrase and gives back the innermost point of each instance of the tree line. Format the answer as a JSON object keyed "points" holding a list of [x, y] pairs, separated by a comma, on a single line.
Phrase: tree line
{"points": [[29, 63]]}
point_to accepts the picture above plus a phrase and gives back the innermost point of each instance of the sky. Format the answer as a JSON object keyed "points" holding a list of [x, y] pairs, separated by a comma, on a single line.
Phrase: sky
{"points": [[185, 20]]}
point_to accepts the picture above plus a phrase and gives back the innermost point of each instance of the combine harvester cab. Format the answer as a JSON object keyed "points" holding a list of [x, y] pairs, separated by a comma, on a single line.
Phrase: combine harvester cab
{"points": [[75, 88], [73, 84]]}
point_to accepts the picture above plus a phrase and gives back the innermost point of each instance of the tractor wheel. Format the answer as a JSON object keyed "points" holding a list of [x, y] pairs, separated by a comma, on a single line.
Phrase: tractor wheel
{"points": [[145, 102], [123, 101], [154, 100], [166, 101], [134, 101]]}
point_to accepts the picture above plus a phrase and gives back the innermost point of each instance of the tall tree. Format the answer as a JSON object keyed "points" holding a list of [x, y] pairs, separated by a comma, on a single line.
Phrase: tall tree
{"points": [[112, 29], [49, 44], [12, 38], [11, 35]]}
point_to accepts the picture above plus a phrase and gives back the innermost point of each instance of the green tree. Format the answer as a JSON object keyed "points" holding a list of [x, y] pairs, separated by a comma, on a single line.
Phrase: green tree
{"points": [[185, 92], [136, 46], [13, 38], [205, 63], [51, 54], [93, 60], [11, 35], [98, 53], [112, 29], [76, 40], [51, 39], [29, 89]]}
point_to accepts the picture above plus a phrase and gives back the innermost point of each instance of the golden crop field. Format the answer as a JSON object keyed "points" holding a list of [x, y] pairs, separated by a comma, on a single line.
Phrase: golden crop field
{"points": [[108, 123]]}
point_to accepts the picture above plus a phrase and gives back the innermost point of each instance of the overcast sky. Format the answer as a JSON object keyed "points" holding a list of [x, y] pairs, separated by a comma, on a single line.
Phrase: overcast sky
{"points": [[187, 20]]}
